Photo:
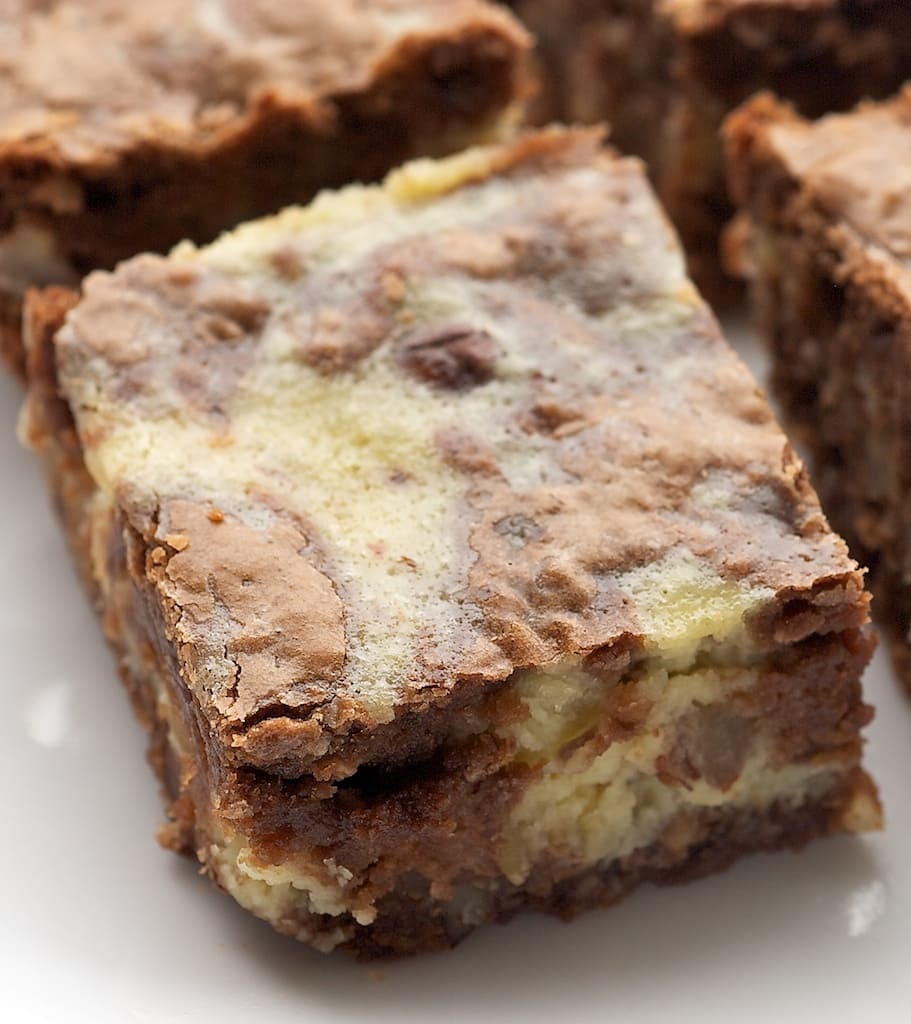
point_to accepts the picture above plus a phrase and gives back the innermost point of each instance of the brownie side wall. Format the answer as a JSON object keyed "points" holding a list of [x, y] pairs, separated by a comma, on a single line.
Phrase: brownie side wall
{"points": [[12, 352], [47, 425], [819, 60]]}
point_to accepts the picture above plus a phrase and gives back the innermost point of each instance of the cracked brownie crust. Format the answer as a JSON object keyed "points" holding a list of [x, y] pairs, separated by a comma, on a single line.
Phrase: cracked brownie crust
{"points": [[125, 128], [828, 249], [457, 562]]}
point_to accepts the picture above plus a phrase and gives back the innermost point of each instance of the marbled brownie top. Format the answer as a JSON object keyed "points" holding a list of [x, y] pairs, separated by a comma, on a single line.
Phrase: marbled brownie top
{"points": [[81, 81], [419, 436]]}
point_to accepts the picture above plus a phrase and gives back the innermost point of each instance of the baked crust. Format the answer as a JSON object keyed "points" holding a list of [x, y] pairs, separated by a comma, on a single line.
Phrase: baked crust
{"points": [[472, 566], [126, 128]]}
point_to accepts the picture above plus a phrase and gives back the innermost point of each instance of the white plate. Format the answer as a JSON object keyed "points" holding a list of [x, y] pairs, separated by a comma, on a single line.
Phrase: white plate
{"points": [[99, 925]]}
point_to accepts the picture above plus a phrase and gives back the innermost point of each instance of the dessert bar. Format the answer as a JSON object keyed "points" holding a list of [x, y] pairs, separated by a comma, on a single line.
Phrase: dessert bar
{"points": [[454, 560], [821, 55], [664, 73], [828, 249]]}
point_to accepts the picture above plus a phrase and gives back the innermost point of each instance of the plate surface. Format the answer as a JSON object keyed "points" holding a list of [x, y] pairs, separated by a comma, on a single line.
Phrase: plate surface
{"points": [[99, 925]]}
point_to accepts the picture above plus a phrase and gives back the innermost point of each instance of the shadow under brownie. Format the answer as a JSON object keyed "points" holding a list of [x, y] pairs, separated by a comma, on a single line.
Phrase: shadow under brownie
{"points": [[128, 127], [454, 560], [827, 249]]}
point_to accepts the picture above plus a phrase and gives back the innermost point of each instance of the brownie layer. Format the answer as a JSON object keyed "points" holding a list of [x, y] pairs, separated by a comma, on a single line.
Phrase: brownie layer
{"points": [[827, 253], [125, 129], [718, 837], [448, 549]]}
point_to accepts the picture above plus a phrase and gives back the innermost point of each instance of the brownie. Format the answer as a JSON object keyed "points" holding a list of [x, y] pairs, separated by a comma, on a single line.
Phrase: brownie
{"points": [[666, 72], [828, 251], [821, 55], [455, 562], [127, 127]]}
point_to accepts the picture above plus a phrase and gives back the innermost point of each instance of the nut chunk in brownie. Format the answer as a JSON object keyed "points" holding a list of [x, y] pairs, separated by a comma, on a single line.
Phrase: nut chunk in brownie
{"points": [[828, 248], [457, 563], [126, 127]]}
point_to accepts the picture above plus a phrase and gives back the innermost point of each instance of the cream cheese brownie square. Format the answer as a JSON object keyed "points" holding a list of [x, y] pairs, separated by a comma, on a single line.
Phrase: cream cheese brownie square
{"points": [[126, 127], [829, 254], [820, 55], [456, 563], [664, 73]]}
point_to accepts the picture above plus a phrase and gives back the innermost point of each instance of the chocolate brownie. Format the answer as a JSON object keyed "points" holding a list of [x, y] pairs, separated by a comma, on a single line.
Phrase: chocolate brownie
{"points": [[455, 562], [821, 55], [666, 72], [828, 248], [128, 127]]}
